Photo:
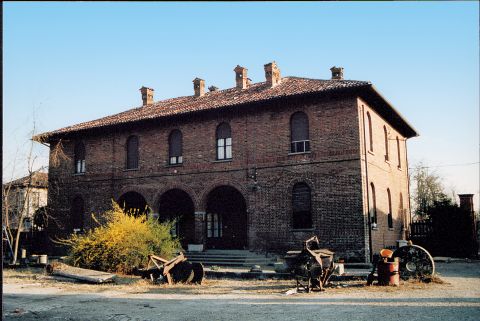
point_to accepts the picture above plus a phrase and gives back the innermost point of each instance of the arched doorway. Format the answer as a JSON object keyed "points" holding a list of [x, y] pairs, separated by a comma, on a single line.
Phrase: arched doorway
{"points": [[226, 219], [176, 204], [133, 202]]}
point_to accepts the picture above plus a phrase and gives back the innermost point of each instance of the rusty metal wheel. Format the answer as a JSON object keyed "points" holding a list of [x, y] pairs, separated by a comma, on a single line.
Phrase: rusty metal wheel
{"points": [[415, 262]]}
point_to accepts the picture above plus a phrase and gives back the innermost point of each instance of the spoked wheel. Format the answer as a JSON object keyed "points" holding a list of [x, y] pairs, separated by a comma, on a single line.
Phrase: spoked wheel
{"points": [[414, 262]]}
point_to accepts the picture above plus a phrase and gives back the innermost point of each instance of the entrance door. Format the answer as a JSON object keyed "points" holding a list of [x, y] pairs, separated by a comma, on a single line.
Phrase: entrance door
{"points": [[226, 219]]}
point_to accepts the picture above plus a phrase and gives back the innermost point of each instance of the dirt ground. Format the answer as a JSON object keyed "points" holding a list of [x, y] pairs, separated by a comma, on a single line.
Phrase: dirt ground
{"points": [[32, 295]]}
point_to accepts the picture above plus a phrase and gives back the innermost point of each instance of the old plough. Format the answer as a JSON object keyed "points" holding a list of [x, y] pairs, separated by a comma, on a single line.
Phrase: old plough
{"points": [[312, 266], [176, 270]]}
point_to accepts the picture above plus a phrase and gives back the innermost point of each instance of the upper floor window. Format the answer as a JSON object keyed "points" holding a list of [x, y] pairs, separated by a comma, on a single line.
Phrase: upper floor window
{"points": [[79, 158], [175, 141], [386, 143], [398, 153], [389, 216], [300, 141], [301, 204], [373, 205], [132, 152], [224, 141], [369, 132]]}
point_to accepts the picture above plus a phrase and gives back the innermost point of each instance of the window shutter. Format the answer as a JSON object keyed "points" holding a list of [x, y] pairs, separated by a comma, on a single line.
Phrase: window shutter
{"points": [[224, 131], [132, 152], [299, 127], [301, 197], [175, 143], [77, 213]]}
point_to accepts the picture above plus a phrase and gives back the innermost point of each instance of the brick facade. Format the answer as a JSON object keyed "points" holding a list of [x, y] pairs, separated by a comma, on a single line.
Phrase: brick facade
{"points": [[262, 169]]}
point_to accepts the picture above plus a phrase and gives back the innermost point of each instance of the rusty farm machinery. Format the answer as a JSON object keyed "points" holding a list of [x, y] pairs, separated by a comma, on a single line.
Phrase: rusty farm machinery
{"points": [[312, 267], [176, 270]]}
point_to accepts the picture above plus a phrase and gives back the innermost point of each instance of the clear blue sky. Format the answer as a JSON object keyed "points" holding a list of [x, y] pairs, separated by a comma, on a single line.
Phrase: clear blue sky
{"points": [[71, 62]]}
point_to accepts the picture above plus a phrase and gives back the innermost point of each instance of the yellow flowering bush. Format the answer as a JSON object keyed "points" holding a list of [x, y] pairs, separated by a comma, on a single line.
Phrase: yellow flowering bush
{"points": [[122, 242]]}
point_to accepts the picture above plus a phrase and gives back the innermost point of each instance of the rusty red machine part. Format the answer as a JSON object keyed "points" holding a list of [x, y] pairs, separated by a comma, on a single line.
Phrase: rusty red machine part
{"points": [[388, 273], [312, 266]]}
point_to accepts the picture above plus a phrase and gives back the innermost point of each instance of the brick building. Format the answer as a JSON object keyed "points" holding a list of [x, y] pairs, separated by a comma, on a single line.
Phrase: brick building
{"points": [[260, 165]]}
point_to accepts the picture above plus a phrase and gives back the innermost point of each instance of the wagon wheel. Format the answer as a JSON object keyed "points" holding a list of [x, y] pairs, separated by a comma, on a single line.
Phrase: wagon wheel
{"points": [[198, 273], [182, 272], [414, 262]]}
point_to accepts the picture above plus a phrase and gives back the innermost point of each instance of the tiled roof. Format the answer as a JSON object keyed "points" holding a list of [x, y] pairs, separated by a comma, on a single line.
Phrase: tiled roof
{"points": [[217, 99], [39, 179], [289, 86]]}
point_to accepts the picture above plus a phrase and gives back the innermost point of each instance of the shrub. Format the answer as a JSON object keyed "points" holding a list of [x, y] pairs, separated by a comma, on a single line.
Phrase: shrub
{"points": [[122, 242]]}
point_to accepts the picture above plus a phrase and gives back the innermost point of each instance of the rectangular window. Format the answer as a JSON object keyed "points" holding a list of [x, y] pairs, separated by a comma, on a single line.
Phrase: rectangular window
{"points": [[80, 166], [301, 146]]}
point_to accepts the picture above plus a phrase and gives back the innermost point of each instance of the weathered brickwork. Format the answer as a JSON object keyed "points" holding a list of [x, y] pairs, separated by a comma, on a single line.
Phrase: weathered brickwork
{"points": [[262, 170]]}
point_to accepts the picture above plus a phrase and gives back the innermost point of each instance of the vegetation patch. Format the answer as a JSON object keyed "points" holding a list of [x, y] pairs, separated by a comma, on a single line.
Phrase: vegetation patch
{"points": [[123, 242]]}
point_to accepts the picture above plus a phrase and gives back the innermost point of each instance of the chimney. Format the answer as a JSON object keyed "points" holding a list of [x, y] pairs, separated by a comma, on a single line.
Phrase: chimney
{"points": [[147, 95], [241, 77], [466, 202], [272, 74], [213, 88], [337, 72], [199, 87]]}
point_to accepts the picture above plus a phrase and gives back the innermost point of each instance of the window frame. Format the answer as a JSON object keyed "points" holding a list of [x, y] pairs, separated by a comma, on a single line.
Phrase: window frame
{"points": [[301, 219], [223, 144], [370, 132], [387, 151], [136, 160], [299, 146], [79, 158], [175, 159]]}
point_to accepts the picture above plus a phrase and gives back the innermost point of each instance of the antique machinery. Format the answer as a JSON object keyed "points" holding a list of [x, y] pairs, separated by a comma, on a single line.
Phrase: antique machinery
{"points": [[312, 266], [415, 262], [176, 270]]}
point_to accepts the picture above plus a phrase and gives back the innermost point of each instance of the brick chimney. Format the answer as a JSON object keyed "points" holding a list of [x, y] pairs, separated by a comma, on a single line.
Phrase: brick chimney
{"points": [[199, 87], [272, 74], [147, 95], [466, 202], [337, 72], [241, 77]]}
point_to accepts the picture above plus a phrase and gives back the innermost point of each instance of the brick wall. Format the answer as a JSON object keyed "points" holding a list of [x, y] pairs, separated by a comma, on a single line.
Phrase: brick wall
{"points": [[334, 170]]}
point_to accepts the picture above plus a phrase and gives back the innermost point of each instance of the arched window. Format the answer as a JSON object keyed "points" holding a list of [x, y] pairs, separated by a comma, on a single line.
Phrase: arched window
{"points": [[373, 205], [79, 158], [175, 147], [301, 204], [224, 141], [300, 141], [386, 143], [370, 134], [389, 215], [132, 152], [398, 153], [401, 213], [77, 211]]}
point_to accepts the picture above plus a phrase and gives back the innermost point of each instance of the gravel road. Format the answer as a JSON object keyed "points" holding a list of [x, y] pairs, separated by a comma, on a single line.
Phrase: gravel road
{"points": [[30, 295]]}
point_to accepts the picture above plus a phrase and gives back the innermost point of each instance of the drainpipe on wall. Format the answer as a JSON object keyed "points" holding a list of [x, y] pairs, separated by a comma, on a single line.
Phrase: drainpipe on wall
{"points": [[370, 243]]}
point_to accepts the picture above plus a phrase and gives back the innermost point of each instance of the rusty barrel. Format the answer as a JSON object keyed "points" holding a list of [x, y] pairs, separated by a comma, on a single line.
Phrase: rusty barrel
{"points": [[388, 273]]}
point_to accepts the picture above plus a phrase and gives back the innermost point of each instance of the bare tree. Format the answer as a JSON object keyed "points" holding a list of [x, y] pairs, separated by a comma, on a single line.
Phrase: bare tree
{"points": [[427, 189]]}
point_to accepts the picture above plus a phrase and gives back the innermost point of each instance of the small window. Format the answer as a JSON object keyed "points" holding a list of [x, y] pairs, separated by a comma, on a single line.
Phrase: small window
{"points": [[369, 132], [386, 143], [373, 205], [389, 216], [175, 147], [79, 158], [300, 141], [301, 204], [398, 153], [224, 141], [132, 152], [214, 225]]}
